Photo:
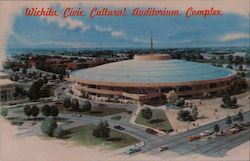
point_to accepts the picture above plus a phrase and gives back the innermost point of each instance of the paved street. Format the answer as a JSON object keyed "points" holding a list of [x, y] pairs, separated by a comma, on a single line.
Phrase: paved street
{"points": [[178, 143]]}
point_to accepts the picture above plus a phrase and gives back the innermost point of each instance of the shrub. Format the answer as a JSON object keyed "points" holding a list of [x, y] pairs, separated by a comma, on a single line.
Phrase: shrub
{"points": [[4, 112], [66, 102], [54, 111], [27, 110], [48, 126], [180, 102], [35, 111], [97, 133], [184, 115], [58, 132], [75, 105], [46, 110], [86, 107]]}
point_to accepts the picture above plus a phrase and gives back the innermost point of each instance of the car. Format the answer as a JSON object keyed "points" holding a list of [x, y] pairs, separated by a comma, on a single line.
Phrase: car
{"points": [[206, 133], [233, 131], [193, 137], [119, 127], [151, 131], [247, 124], [78, 115], [128, 112], [220, 134], [163, 148], [101, 105], [133, 150]]}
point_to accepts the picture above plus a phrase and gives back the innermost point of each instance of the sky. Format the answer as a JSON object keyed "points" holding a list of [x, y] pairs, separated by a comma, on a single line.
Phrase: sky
{"points": [[231, 29]]}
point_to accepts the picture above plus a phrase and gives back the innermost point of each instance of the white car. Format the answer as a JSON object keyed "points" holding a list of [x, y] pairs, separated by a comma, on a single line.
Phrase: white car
{"points": [[206, 133]]}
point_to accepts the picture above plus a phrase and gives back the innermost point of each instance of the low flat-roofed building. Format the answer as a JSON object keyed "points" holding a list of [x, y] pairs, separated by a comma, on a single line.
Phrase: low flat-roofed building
{"points": [[7, 87]]}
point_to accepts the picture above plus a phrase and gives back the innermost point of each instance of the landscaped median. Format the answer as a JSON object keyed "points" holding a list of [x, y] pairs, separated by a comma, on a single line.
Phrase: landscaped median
{"points": [[84, 136], [158, 121]]}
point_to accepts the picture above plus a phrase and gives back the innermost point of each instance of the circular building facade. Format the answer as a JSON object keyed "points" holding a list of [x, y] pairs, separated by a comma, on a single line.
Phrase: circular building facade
{"points": [[152, 77]]}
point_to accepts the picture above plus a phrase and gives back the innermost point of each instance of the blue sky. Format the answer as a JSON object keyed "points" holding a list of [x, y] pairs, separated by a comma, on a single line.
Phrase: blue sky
{"points": [[129, 32]]}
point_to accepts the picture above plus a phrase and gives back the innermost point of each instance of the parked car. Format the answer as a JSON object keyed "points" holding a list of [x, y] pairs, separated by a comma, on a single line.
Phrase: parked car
{"points": [[101, 105], [129, 112], [151, 131], [78, 115], [221, 134], [206, 133], [233, 130], [193, 138], [163, 148], [133, 150], [247, 124], [119, 127]]}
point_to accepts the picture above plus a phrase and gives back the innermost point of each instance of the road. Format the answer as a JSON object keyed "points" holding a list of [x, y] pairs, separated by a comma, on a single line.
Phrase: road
{"points": [[179, 144]]}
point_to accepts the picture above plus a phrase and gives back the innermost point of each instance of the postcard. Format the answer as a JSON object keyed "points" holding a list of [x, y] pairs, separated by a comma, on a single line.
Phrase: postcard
{"points": [[124, 80]]}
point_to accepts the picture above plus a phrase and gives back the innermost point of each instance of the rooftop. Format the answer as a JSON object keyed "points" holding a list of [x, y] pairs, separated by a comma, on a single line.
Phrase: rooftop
{"points": [[6, 82], [165, 71]]}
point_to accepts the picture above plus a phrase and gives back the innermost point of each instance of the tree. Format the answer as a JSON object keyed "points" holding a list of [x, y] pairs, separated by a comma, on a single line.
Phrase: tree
{"points": [[229, 120], [230, 59], [66, 103], [24, 71], [86, 107], [53, 76], [75, 105], [45, 80], [172, 96], [4, 111], [240, 117], [48, 126], [194, 112], [146, 113], [184, 115], [61, 77], [35, 111], [34, 91], [180, 102], [102, 130], [27, 110], [45, 91], [46, 110], [54, 111], [58, 132], [234, 100], [216, 128]]}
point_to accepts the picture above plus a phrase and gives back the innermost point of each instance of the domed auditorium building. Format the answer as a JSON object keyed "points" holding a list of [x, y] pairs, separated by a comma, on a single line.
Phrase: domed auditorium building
{"points": [[151, 77]]}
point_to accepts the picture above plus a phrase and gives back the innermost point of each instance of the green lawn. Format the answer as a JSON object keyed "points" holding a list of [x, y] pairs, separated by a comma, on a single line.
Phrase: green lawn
{"points": [[83, 136], [116, 118], [99, 111], [158, 121]]}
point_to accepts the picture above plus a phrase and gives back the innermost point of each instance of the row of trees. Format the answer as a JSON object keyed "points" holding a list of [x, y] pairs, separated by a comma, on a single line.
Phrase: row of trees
{"points": [[59, 69], [75, 106], [46, 111]]}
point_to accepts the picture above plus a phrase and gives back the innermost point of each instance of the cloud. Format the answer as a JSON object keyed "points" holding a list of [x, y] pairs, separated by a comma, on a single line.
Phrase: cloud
{"points": [[114, 33], [140, 40], [117, 34], [233, 36], [102, 29], [69, 23]]}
